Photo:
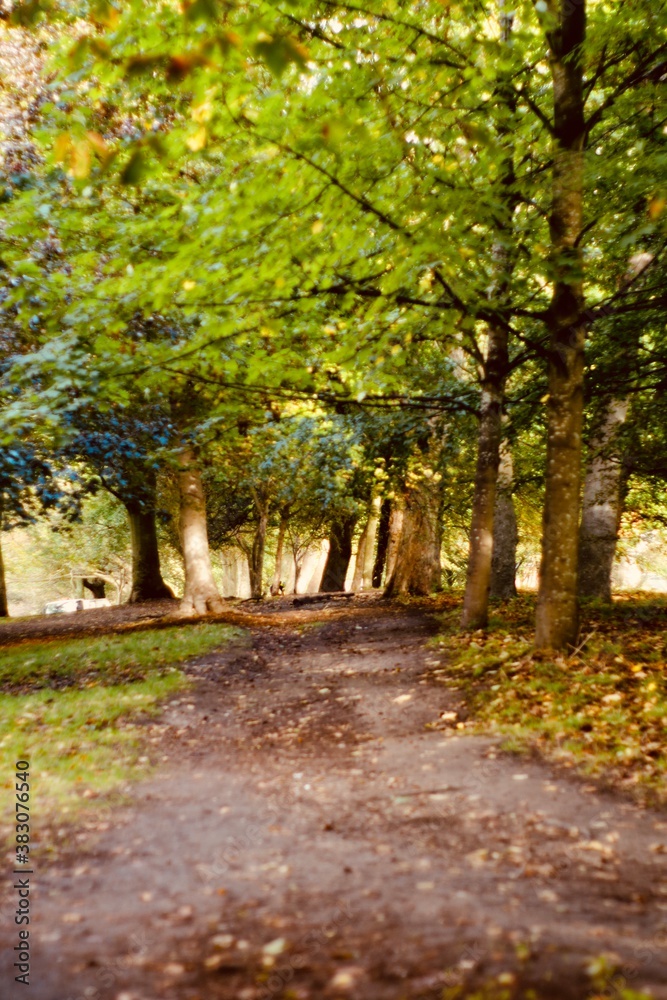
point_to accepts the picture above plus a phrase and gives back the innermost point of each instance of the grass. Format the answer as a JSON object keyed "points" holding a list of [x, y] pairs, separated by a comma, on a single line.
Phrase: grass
{"points": [[602, 710], [88, 740], [106, 659]]}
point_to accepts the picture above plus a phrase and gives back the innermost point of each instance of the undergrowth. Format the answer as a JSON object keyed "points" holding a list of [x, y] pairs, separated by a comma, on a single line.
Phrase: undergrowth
{"points": [[602, 708]]}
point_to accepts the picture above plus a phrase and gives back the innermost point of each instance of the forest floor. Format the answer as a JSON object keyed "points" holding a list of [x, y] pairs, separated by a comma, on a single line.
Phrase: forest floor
{"points": [[319, 825]]}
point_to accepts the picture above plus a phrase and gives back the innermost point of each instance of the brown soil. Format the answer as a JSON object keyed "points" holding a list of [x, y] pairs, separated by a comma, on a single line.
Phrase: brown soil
{"points": [[309, 834]]}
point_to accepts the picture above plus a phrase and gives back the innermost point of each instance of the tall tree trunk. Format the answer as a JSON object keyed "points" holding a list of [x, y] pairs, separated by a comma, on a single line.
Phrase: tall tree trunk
{"points": [[505, 535], [602, 505], [256, 560], [395, 531], [494, 375], [4, 609], [557, 607], [201, 594], [340, 553], [357, 579], [478, 580], [147, 582], [363, 568], [280, 548], [383, 542]]}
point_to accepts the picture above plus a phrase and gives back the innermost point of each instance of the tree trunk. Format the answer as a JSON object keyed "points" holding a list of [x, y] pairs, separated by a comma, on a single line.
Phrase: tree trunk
{"points": [[147, 582], [416, 568], [256, 560], [340, 553], [280, 548], [395, 531], [505, 534], [4, 609], [603, 486], [489, 434], [363, 568], [357, 579], [478, 580], [96, 586], [557, 607], [201, 594], [383, 542], [602, 505]]}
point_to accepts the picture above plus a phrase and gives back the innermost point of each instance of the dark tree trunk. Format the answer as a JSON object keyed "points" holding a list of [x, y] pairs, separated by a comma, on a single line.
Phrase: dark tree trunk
{"points": [[96, 586], [4, 610], [478, 580], [340, 553], [557, 607], [147, 582], [489, 435], [201, 593], [505, 535], [602, 505], [256, 560], [383, 542]]}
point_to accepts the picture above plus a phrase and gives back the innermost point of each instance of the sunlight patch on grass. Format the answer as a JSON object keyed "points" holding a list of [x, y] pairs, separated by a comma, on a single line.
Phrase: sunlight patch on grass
{"points": [[89, 740], [106, 659]]}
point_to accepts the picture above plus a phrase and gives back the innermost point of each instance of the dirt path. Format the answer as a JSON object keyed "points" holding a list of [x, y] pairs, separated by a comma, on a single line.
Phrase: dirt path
{"points": [[306, 836]]}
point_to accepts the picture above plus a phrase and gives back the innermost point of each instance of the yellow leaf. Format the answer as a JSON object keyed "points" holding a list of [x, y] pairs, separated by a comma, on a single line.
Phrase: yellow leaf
{"points": [[318, 226], [62, 147], [197, 141], [188, 285], [79, 165], [656, 207], [202, 112]]}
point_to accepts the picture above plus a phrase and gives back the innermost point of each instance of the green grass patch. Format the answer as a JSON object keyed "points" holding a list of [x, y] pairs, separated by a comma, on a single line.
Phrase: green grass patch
{"points": [[110, 659], [81, 716], [601, 709]]}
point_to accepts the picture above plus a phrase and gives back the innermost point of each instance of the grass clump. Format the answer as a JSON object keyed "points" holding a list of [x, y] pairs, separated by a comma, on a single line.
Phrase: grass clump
{"points": [[78, 711], [602, 708]]}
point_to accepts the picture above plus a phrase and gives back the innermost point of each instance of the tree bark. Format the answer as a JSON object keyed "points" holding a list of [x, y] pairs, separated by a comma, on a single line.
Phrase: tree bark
{"points": [[339, 555], [280, 548], [416, 569], [505, 535], [557, 607], [4, 609], [602, 505], [256, 560], [363, 568], [494, 375], [201, 594], [478, 580], [383, 542], [395, 530], [147, 582]]}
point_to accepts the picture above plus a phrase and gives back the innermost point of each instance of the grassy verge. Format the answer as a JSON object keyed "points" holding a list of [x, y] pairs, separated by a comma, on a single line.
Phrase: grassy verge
{"points": [[87, 741], [602, 709]]}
